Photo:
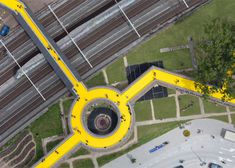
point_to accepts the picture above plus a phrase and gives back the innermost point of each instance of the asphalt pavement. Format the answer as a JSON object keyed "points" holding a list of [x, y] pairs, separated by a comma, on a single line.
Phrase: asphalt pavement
{"points": [[203, 146]]}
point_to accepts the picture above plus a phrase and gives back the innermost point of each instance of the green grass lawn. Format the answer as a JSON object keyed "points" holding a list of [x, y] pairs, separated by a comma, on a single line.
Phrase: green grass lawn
{"points": [[190, 74], [233, 118], [143, 111], [175, 35], [13, 140], [178, 34], [64, 165], [116, 71], [232, 109], [189, 105], [85, 163], [52, 144], [79, 152], [221, 118], [211, 107], [47, 125], [67, 105], [164, 107], [145, 134], [97, 80], [171, 91]]}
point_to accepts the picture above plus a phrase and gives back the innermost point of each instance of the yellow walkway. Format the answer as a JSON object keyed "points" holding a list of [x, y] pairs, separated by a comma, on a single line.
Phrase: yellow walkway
{"points": [[80, 135]]}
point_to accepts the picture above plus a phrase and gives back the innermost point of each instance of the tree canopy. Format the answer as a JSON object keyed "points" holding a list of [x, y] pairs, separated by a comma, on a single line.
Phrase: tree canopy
{"points": [[216, 58]]}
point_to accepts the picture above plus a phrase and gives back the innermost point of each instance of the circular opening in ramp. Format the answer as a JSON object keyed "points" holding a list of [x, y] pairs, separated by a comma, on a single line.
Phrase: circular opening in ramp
{"points": [[101, 117]]}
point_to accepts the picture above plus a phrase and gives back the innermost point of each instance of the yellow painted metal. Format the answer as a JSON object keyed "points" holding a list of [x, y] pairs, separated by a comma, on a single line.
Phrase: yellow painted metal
{"points": [[19, 8], [121, 100]]}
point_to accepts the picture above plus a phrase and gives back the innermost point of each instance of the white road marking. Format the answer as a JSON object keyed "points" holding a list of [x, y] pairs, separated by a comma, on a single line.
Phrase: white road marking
{"points": [[229, 150]]}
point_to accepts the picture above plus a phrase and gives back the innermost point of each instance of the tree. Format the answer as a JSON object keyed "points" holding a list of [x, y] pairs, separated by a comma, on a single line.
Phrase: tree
{"points": [[216, 58]]}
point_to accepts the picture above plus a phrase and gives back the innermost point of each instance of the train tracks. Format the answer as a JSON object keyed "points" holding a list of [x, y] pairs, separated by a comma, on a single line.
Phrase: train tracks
{"points": [[24, 43], [55, 85]]}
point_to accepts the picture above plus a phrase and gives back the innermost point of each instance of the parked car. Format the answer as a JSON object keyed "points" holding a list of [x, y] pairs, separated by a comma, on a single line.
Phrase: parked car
{"points": [[213, 165], [158, 147], [4, 30]]}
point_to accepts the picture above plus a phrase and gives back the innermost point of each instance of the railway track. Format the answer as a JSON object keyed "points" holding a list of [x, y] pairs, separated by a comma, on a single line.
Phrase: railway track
{"points": [[11, 68], [71, 52], [56, 86]]}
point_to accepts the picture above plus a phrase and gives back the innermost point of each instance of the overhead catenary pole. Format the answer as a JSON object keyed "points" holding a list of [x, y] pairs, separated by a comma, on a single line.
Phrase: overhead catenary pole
{"points": [[186, 3], [22, 70], [71, 38], [132, 25]]}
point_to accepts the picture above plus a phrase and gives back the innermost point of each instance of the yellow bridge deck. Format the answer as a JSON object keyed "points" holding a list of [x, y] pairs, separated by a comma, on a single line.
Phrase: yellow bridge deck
{"points": [[121, 99]]}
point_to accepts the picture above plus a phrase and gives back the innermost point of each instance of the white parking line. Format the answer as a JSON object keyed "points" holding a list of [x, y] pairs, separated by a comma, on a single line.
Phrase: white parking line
{"points": [[185, 3], [22, 70], [71, 38]]}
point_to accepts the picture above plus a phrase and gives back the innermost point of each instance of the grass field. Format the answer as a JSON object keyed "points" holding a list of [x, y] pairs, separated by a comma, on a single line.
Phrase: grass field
{"points": [[173, 36], [79, 152], [116, 72], [47, 125], [50, 124], [212, 107], [52, 144], [145, 134], [221, 118], [67, 105], [143, 111], [64, 165], [189, 105], [11, 141], [178, 34], [233, 118], [97, 80], [86, 163], [232, 109], [171, 91], [164, 107]]}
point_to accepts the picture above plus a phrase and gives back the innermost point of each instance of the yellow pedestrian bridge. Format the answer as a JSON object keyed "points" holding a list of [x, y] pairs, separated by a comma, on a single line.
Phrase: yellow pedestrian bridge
{"points": [[121, 100]]}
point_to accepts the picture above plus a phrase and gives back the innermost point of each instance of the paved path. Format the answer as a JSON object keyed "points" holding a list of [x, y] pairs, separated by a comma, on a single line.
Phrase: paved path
{"points": [[152, 110], [199, 148], [125, 61], [94, 156], [229, 115], [62, 116], [201, 105], [151, 122], [106, 79], [177, 104]]}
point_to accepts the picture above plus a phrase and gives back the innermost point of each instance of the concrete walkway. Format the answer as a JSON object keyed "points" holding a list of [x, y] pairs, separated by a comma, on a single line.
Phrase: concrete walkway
{"points": [[201, 105], [106, 79], [152, 110]]}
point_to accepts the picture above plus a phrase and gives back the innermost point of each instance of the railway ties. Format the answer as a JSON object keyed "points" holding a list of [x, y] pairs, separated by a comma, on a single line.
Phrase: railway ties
{"points": [[71, 38], [132, 25], [117, 47], [10, 54], [68, 13]]}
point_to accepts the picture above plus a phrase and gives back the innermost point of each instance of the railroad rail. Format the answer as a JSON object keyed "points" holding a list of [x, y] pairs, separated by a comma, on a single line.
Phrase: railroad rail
{"points": [[53, 29], [84, 96], [26, 110]]}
